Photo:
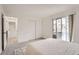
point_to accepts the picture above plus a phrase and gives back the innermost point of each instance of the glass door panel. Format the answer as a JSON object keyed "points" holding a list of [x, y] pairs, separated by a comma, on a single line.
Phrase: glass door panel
{"points": [[65, 28], [55, 29], [59, 29]]}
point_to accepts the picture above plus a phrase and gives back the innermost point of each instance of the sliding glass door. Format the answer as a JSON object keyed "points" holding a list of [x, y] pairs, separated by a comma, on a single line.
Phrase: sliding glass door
{"points": [[59, 28], [62, 28], [65, 28]]}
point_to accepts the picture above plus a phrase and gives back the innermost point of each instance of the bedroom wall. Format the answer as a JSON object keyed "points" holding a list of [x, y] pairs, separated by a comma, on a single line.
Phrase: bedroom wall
{"points": [[26, 24], [76, 26], [26, 29], [47, 27], [38, 28]]}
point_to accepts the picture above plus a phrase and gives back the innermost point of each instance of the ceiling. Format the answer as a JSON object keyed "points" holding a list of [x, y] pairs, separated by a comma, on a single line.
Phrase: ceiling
{"points": [[35, 10]]}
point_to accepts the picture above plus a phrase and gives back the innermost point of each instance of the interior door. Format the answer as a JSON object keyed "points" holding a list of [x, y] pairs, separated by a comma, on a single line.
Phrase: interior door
{"points": [[4, 32]]}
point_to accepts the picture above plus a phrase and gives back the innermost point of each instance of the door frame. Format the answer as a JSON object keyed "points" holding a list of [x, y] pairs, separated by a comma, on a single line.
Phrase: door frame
{"points": [[2, 25]]}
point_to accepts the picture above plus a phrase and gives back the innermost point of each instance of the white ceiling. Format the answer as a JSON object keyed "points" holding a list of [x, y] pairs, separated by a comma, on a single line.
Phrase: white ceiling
{"points": [[35, 10]]}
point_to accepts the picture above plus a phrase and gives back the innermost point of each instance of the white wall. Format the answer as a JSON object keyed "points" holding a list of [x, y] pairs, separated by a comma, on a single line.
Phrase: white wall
{"points": [[26, 29], [38, 28], [26, 25], [47, 27], [76, 27]]}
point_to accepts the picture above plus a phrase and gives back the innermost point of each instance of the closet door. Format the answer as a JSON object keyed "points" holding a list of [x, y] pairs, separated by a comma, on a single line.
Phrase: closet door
{"points": [[30, 30], [5, 32]]}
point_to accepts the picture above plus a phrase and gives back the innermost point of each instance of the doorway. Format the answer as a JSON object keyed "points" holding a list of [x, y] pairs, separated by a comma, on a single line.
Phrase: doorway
{"points": [[9, 29], [11, 24], [12, 33]]}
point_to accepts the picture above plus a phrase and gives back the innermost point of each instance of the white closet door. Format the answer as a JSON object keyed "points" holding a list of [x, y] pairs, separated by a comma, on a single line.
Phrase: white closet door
{"points": [[26, 30], [31, 30]]}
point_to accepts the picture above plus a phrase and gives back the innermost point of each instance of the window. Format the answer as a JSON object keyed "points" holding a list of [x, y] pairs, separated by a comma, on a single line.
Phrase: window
{"points": [[62, 28]]}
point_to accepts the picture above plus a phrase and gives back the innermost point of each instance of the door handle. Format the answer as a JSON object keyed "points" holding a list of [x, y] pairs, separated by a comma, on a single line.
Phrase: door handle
{"points": [[6, 35]]}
